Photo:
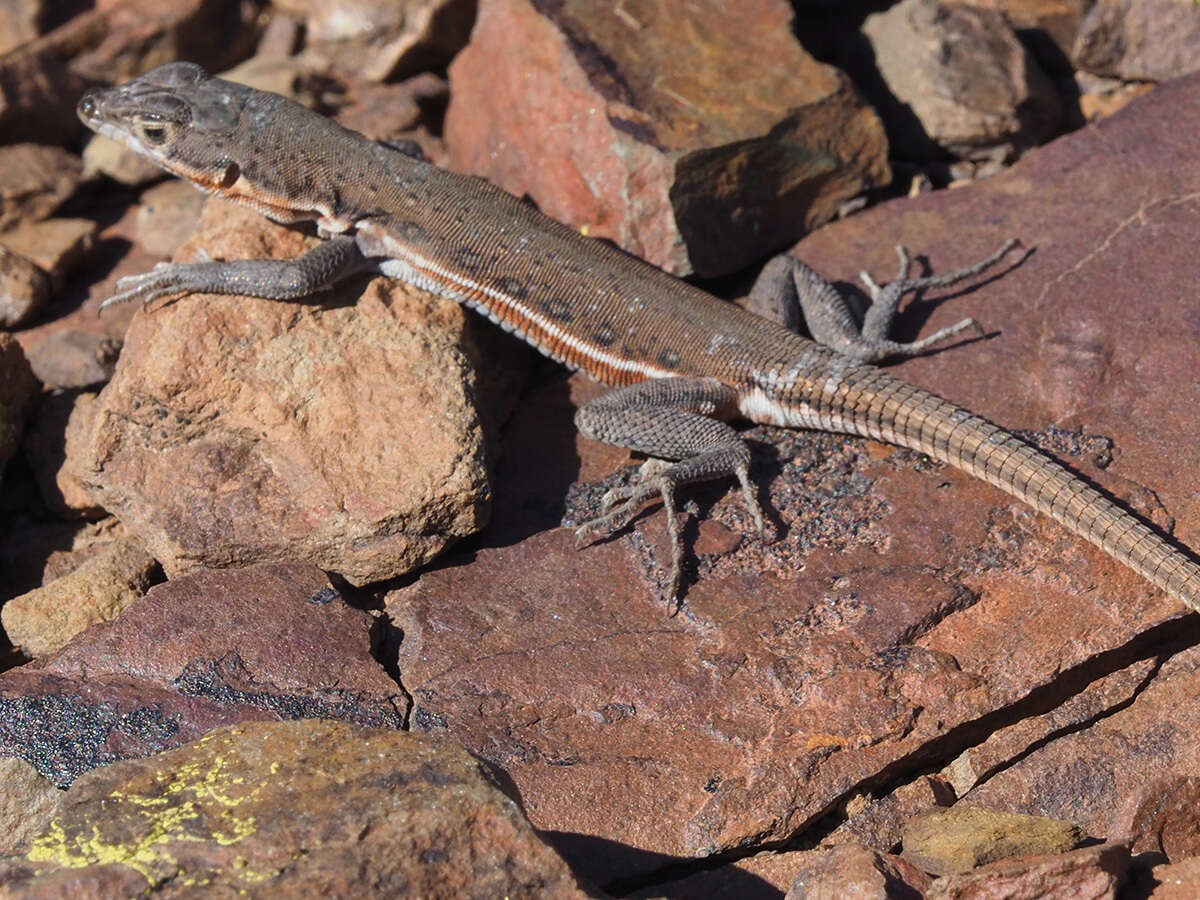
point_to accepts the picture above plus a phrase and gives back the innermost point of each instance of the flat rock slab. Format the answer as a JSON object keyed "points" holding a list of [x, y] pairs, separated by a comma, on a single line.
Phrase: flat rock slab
{"points": [[907, 610], [239, 430], [289, 810], [265, 642]]}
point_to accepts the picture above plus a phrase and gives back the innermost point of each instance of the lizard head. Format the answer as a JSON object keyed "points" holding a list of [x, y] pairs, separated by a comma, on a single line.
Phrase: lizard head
{"points": [[217, 134]]}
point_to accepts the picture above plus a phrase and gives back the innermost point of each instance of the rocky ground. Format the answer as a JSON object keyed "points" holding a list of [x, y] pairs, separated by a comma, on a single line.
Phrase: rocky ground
{"points": [[292, 598]]}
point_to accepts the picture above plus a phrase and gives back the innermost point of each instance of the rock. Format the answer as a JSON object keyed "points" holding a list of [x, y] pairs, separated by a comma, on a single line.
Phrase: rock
{"points": [[958, 81], [34, 181], [138, 35], [104, 156], [383, 41], [1093, 872], [1167, 822], [35, 551], [24, 289], [1139, 40], [43, 620], [19, 23], [238, 430], [37, 101], [26, 804], [291, 810], [852, 872], [18, 388], [265, 642], [54, 447], [69, 359], [649, 124], [881, 822], [168, 215], [958, 839], [1178, 881], [1048, 27], [57, 246]]}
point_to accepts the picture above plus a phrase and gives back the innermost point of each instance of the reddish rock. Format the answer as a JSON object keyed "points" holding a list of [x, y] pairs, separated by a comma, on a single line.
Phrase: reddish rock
{"points": [[1139, 40], [287, 810], [37, 98], [383, 41], [34, 181], [880, 823], [1178, 881], [649, 124], [58, 246], [957, 76], [266, 642], [19, 22], [69, 358], [43, 620], [958, 839], [1093, 872], [167, 215], [342, 430], [26, 804], [1168, 823]]}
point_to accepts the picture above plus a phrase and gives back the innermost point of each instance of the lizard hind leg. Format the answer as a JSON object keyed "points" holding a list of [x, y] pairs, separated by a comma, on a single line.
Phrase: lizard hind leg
{"points": [[788, 287], [671, 420]]}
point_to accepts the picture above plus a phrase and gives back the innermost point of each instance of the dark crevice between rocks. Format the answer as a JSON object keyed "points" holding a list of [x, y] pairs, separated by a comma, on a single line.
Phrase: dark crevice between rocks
{"points": [[1159, 644]]}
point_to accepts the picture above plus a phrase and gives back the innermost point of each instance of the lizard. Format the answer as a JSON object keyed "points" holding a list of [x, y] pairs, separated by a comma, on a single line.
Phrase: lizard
{"points": [[682, 363]]}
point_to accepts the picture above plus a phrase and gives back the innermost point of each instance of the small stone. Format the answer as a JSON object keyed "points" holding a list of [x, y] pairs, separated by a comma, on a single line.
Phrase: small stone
{"points": [[70, 358], [44, 619], [24, 289], [57, 246], [854, 872], [945, 841], [958, 81], [34, 181]]}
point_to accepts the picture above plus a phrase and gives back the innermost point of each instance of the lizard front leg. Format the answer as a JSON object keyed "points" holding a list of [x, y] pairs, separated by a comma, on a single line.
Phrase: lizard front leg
{"points": [[676, 419], [787, 287], [272, 279]]}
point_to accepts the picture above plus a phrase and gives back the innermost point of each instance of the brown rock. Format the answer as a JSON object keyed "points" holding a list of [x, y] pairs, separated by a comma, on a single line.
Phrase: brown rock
{"points": [[266, 642], [1178, 881], [1041, 21], [1168, 823], [1093, 872], [1139, 40], [946, 841], [382, 41], [26, 804], [18, 387], [54, 447], [958, 80], [58, 246], [104, 156], [19, 22], [852, 872], [295, 809], [44, 619], [649, 124], [138, 35], [69, 358], [37, 100], [168, 215], [35, 551], [34, 180], [880, 823], [239, 430], [24, 289]]}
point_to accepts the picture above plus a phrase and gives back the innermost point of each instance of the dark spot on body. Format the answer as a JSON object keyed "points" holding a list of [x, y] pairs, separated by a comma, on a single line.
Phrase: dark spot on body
{"points": [[513, 287], [468, 258], [558, 309], [411, 232], [669, 359], [605, 334]]}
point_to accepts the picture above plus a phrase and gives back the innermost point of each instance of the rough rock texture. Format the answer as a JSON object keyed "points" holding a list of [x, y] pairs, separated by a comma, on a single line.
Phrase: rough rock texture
{"points": [[945, 842], [34, 181], [852, 872], [380, 41], [881, 822], [44, 619], [1093, 872], [24, 289], [265, 642], [341, 431], [18, 387], [1143, 40], [957, 76], [907, 610], [648, 123], [1042, 21], [298, 809], [54, 447], [26, 804], [1177, 881]]}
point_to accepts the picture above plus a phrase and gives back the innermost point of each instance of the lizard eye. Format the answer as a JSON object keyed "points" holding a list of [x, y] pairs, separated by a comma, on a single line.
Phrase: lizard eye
{"points": [[152, 131]]}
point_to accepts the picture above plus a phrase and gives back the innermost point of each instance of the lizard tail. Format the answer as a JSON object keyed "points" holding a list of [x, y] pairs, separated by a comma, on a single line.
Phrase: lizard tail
{"points": [[925, 422]]}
